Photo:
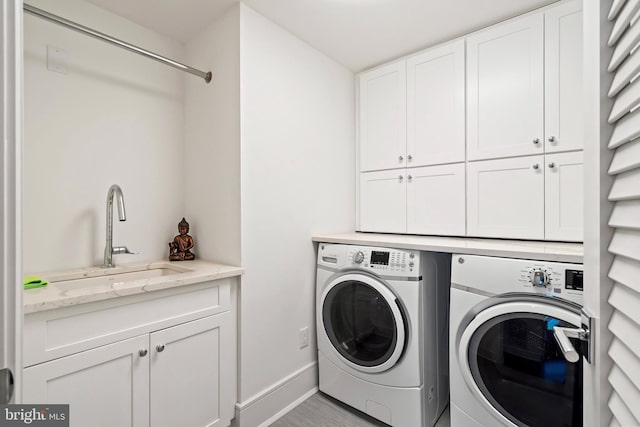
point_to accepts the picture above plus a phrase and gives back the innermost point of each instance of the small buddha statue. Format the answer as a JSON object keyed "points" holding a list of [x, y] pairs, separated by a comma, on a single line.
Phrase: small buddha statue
{"points": [[180, 248]]}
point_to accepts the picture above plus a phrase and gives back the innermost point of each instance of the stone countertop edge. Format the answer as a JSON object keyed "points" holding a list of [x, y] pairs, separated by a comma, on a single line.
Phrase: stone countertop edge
{"points": [[524, 249], [190, 272]]}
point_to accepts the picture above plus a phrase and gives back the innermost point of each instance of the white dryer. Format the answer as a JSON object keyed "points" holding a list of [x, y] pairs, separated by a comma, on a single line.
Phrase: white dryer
{"points": [[382, 331], [511, 359]]}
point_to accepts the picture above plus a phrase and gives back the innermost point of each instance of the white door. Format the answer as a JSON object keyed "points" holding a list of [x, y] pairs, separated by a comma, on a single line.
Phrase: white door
{"points": [[104, 387], [436, 200], [435, 106], [11, 202], [383, 201], [564, 117], [505, 89], [383, 116], [564, 209], [505, 198], [188, 366]]}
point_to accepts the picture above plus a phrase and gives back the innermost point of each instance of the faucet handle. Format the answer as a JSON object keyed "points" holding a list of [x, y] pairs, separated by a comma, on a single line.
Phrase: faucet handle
{"points": [[119, 250]]}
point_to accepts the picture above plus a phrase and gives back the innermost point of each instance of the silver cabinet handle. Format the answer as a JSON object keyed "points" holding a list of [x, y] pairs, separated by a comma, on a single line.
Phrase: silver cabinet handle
{"points": [[143, 352], [409, 178], [160, 348], [409, 157], [552, 139], [552, 165], [536, 140], [400, 158], [536, 166], [400, 177]]}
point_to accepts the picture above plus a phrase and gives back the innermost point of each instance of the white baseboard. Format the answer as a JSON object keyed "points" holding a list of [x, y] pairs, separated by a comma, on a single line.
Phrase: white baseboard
{"points": [[270, 404]]}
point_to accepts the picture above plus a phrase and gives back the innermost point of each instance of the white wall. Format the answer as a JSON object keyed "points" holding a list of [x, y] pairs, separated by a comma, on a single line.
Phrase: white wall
{"points": [[114, 118], [212, 141], [297, 137]]}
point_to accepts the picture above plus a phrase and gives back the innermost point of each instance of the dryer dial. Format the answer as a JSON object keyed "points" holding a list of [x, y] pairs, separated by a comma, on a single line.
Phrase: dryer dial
{"points": [[539, 277], [358, 257]]}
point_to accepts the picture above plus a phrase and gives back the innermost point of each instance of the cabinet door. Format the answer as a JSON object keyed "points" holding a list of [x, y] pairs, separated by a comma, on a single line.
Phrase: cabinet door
{"points": [[564, 196], [383, 199], [505, 89], [563, 78], [505, 198], [435, 200], [383, 115], [435, 106], [105, 387], [191, 366]]}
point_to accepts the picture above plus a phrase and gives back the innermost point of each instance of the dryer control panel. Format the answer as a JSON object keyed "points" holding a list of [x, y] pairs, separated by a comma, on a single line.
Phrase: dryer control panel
{"points": [[382, 261], [494, 276]]}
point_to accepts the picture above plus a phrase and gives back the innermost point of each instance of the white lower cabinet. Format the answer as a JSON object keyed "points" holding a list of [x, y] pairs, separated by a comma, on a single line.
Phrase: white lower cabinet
{"points": [[426, 200], [161, 362], [107, 386], [533, 197]]}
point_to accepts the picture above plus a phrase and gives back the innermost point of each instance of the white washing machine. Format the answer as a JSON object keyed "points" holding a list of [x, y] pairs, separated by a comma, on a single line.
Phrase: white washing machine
{"points": [[382, 331], [517, 336]]}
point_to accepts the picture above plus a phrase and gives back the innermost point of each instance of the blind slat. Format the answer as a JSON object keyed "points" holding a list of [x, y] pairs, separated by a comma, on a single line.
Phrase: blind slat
{"points": [[626, 214], [623, 357], [621, 412], [625, 330], [627, 129], [625, 243], [616, 6], [626, 271], [625, 101], [626, 158], [624, 47], [626, 301], [625, 186], [625, 389], [625, 72], [623, 20]]}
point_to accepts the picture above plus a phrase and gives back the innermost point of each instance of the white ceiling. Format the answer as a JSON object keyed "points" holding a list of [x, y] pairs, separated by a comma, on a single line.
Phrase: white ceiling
{"points": [[357, 33]]}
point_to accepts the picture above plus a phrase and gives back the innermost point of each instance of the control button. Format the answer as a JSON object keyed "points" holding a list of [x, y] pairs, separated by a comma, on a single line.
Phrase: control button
{"points": [[358, 257], [411, 264], [412, 256]]}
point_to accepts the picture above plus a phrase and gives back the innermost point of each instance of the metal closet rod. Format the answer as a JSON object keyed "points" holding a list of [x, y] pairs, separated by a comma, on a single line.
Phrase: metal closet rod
{"points": [[101, 36]]}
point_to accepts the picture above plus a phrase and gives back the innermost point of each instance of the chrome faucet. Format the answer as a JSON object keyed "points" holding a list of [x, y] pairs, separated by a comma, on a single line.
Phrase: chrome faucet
{"points": [[109, 250]]}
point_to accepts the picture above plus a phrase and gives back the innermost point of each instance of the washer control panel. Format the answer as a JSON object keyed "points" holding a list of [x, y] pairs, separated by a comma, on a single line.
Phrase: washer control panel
{"points": [[382, 261]]}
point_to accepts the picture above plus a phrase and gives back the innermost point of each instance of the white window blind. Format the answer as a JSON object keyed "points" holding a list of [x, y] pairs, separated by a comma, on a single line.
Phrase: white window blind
{"points": [[625, 218]]}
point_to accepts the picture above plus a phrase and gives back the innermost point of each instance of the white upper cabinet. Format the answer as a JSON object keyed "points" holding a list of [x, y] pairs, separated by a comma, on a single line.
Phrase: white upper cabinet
{"points": [[383, 115], [435, 200], [506, 198], [436, 106], [564, 196], [505, 67], [383, 199], [563, 78]]}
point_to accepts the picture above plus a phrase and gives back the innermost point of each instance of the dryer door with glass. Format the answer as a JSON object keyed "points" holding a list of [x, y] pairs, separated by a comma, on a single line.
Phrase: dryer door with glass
{"points": [[509, 357], [363, 322]]}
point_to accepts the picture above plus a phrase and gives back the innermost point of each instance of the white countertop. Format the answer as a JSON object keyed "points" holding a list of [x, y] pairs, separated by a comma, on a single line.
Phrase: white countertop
{"points": [[544, 251], [60, 292]]}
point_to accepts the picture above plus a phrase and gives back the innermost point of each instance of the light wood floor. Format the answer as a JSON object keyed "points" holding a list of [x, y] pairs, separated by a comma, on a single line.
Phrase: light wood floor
{"points": [[321, 410]]}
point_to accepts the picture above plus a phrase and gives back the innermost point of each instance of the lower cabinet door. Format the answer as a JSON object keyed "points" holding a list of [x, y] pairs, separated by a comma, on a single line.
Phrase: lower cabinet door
{"points": [[564, 196], [104, 387], [436, 200], [383, 201], [191, 366], [505, 198]]}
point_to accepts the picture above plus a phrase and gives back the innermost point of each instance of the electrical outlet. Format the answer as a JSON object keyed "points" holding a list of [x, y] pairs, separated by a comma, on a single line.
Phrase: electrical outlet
{"points": [[303, 337]]}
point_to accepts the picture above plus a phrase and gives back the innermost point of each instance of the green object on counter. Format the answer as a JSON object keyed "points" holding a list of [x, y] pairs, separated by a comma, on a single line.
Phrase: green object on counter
{"points": [[31, 282]]}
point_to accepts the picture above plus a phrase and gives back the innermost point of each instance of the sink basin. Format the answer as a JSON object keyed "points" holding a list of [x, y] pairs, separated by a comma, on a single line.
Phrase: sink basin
{"points": [[111, 279]]}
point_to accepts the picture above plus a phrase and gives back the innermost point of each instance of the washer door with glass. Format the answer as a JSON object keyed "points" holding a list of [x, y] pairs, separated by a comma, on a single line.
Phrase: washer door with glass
{"points": [[510, 359], [363, 322]]}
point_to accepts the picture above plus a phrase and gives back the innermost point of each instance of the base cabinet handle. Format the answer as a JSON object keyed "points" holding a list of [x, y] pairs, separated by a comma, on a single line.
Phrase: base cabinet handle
{"points": [[143, 352], [160, 348]]}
